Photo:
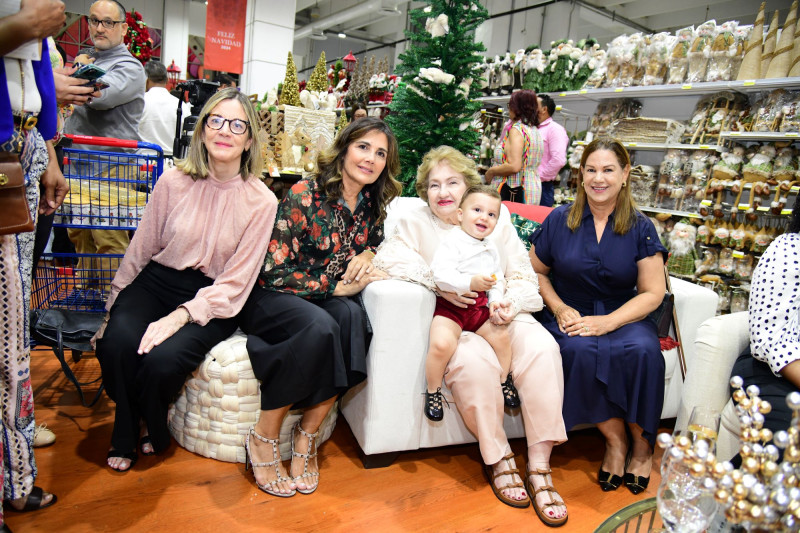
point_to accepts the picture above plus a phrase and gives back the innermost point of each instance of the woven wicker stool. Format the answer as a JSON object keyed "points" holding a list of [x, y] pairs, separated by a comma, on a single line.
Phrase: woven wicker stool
{"points": [[221, 401]]}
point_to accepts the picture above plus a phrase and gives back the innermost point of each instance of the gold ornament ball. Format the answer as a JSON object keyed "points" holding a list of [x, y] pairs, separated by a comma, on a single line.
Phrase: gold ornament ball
{"points": [[765, 435], [722, 495], [764, 407], [741, 506], [769, 469], [746, 403], [697, 470], [739, 395], [308, 167], [750, 465], [756, 513], [683, 442], [745, 450], [792, 454], [739, 492]]}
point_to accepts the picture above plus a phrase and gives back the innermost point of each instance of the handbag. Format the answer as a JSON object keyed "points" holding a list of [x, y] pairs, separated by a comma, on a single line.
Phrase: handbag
{"points": [[15, 215], [662, 316], [60, 329]]}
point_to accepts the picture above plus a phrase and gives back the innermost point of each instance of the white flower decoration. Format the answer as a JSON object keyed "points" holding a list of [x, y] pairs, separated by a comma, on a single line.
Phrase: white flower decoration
{"points": [[437, 27]]}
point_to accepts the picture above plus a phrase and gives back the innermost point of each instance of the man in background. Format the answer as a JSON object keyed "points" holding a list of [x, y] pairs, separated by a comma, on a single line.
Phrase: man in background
{"points": [[159, 118], [555, 140], [114, 114], [226, 80]]}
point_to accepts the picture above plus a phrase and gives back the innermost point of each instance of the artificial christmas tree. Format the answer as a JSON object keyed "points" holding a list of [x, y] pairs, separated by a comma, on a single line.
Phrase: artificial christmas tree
{"points": [[436, 101], [318, 81], [290, 92]]}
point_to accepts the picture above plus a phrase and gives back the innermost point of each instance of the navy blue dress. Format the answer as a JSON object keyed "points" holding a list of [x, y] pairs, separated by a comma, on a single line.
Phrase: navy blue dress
{"points": [[620, 374]]}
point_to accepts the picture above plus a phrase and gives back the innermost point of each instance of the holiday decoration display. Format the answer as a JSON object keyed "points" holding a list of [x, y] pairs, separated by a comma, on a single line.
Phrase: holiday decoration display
{"points": [[318, 81], [760, 495], [290, 93], [138, 37], [441, 69]]}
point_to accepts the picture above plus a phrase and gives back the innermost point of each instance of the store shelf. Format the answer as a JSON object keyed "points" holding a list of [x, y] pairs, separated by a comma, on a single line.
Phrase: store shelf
{"points": [[662, 146], [760, 135], [686, 214], [686, 89]]}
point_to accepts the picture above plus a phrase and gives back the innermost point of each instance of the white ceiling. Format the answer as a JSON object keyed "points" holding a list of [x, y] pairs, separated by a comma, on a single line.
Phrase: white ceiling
{"points": [[602, 19]]}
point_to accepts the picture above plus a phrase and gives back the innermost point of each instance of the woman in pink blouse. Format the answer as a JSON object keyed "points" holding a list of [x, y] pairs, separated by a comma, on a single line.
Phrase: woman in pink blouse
{"points": [[306, 335], [187, 273]]}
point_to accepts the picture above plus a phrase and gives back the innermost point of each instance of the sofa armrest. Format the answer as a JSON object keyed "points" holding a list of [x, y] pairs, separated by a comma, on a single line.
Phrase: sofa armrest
{"points": [[719, 342], [380, 410]]}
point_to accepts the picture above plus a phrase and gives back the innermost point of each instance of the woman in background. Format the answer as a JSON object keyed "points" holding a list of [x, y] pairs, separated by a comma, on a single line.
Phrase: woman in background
{"points": [[519, 152]]}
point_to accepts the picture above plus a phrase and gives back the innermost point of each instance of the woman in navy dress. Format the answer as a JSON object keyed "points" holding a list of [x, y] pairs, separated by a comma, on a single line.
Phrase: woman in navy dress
{"points": [[601, 272]]}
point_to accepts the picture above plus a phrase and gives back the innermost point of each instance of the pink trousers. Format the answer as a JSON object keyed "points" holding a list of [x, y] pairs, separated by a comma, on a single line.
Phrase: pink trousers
{"points": [[473, 375]]}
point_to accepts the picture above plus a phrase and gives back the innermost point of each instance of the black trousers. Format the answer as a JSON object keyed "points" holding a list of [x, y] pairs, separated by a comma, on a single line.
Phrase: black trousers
{"points": [[772, 388], [143, 386], [304, 351]]}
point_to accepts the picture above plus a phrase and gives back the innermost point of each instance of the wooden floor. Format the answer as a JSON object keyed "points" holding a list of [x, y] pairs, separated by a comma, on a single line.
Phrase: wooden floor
{"points": [[430, 490]]}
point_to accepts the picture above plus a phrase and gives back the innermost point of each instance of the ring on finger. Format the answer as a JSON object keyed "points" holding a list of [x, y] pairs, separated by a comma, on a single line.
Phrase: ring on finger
{"points": [[585, 329]]}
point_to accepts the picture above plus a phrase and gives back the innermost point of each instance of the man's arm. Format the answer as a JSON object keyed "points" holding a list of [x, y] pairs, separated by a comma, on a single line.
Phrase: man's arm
{"points": [[126, 80]]}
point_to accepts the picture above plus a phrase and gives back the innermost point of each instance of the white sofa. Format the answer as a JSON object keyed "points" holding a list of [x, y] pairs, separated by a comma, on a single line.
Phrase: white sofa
{"points": [[385, 412], [719, 342]]}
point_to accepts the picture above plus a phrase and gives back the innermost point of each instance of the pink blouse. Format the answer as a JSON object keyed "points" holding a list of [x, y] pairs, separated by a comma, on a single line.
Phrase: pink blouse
{"points": [[219, 228]]}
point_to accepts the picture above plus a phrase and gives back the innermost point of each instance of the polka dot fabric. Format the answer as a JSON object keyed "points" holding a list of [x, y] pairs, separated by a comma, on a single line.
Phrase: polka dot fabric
{"points": [[775, 303]]}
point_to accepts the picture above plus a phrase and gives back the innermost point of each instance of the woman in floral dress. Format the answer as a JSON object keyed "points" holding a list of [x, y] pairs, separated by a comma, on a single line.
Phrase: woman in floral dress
{"points": [[307, 336]]}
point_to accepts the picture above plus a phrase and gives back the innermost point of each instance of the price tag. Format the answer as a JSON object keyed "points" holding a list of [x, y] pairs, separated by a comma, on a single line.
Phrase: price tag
{"points": [[706, 203], [631, 145], [558, 108], [705, 147], [483, 111], [686, 86], [748, 83], [791, 134], [734, 133], [738, 254], [562, 94], [583, 91], [786, 212], [795, 188], [744, 207], [762, 208], [619, 89]]}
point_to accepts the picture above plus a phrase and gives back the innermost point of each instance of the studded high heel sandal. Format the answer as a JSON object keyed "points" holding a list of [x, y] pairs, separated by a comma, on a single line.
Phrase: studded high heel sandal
{"points": [[306, 456], [269, 488]]}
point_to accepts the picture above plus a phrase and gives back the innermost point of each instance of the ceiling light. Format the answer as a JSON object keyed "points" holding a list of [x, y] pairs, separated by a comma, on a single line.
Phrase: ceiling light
{"points": [[318, 35], [342, 35]]}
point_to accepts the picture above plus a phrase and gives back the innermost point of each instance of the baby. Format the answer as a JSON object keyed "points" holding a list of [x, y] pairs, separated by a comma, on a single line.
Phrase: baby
{"points": [[466, 261]]}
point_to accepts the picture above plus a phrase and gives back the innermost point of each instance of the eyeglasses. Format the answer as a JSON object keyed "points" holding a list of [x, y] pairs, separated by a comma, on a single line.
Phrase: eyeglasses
{"points": [[237, 126], [107, 24]]}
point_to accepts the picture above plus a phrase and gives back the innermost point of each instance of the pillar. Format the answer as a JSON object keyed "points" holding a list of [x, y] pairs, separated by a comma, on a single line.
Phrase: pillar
{"points": [[175, 36], [268, 38]]}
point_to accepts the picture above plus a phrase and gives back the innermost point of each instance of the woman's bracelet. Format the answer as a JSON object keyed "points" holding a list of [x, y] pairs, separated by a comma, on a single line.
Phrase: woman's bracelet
{"points": [[560, 308], [189, 319]]}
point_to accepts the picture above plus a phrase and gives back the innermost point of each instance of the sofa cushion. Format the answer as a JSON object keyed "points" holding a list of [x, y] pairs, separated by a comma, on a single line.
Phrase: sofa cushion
{"points": [[531, 212], [525, 228]]}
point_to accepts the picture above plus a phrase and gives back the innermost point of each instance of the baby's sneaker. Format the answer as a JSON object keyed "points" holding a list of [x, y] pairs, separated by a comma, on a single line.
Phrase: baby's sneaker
{"points": [[510, 395]]}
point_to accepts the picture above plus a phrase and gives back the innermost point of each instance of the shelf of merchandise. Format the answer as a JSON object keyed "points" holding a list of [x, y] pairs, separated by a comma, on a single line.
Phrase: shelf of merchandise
{"points": [[685, 89], [761, 135], [661, 146], [674, 212]]}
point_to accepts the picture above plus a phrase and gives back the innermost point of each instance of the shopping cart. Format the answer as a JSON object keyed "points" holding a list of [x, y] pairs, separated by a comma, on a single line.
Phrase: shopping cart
{"points": [[108, 190]]}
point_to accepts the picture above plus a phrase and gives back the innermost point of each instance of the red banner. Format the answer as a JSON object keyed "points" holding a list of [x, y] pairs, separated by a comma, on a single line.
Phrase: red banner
{"points": [[225, 21]]}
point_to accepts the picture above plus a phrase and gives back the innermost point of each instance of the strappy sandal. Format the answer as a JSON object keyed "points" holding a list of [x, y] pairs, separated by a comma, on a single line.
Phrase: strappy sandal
{"points": [[533, 492], [269, 488], [130, 456], [498, 491], [306, 456]]}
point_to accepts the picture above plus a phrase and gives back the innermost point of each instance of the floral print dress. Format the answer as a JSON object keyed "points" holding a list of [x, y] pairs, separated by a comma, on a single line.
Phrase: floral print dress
{"points": [[313, 240]]}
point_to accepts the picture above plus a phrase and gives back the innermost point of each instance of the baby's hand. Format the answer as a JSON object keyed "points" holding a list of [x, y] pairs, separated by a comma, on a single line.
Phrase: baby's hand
{"points": [[481, 283]]}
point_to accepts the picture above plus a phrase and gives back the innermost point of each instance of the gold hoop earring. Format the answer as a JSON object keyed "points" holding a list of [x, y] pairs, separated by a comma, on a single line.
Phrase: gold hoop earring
{"points": [[624, 184]]}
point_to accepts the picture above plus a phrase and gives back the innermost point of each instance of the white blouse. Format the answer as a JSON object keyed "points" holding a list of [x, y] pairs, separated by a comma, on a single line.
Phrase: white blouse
{"points": [[774, 304], [408, 252], [460, 257]]}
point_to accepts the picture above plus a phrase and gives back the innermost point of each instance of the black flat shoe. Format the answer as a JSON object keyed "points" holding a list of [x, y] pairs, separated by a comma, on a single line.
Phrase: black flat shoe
{"points": [[636, 484], [607, 481], [510, 394], [34, 502], [434, 405]]}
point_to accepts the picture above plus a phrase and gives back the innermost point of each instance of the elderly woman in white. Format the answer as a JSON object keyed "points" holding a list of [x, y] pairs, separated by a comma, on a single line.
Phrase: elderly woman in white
{"points": [[442, 178]]}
